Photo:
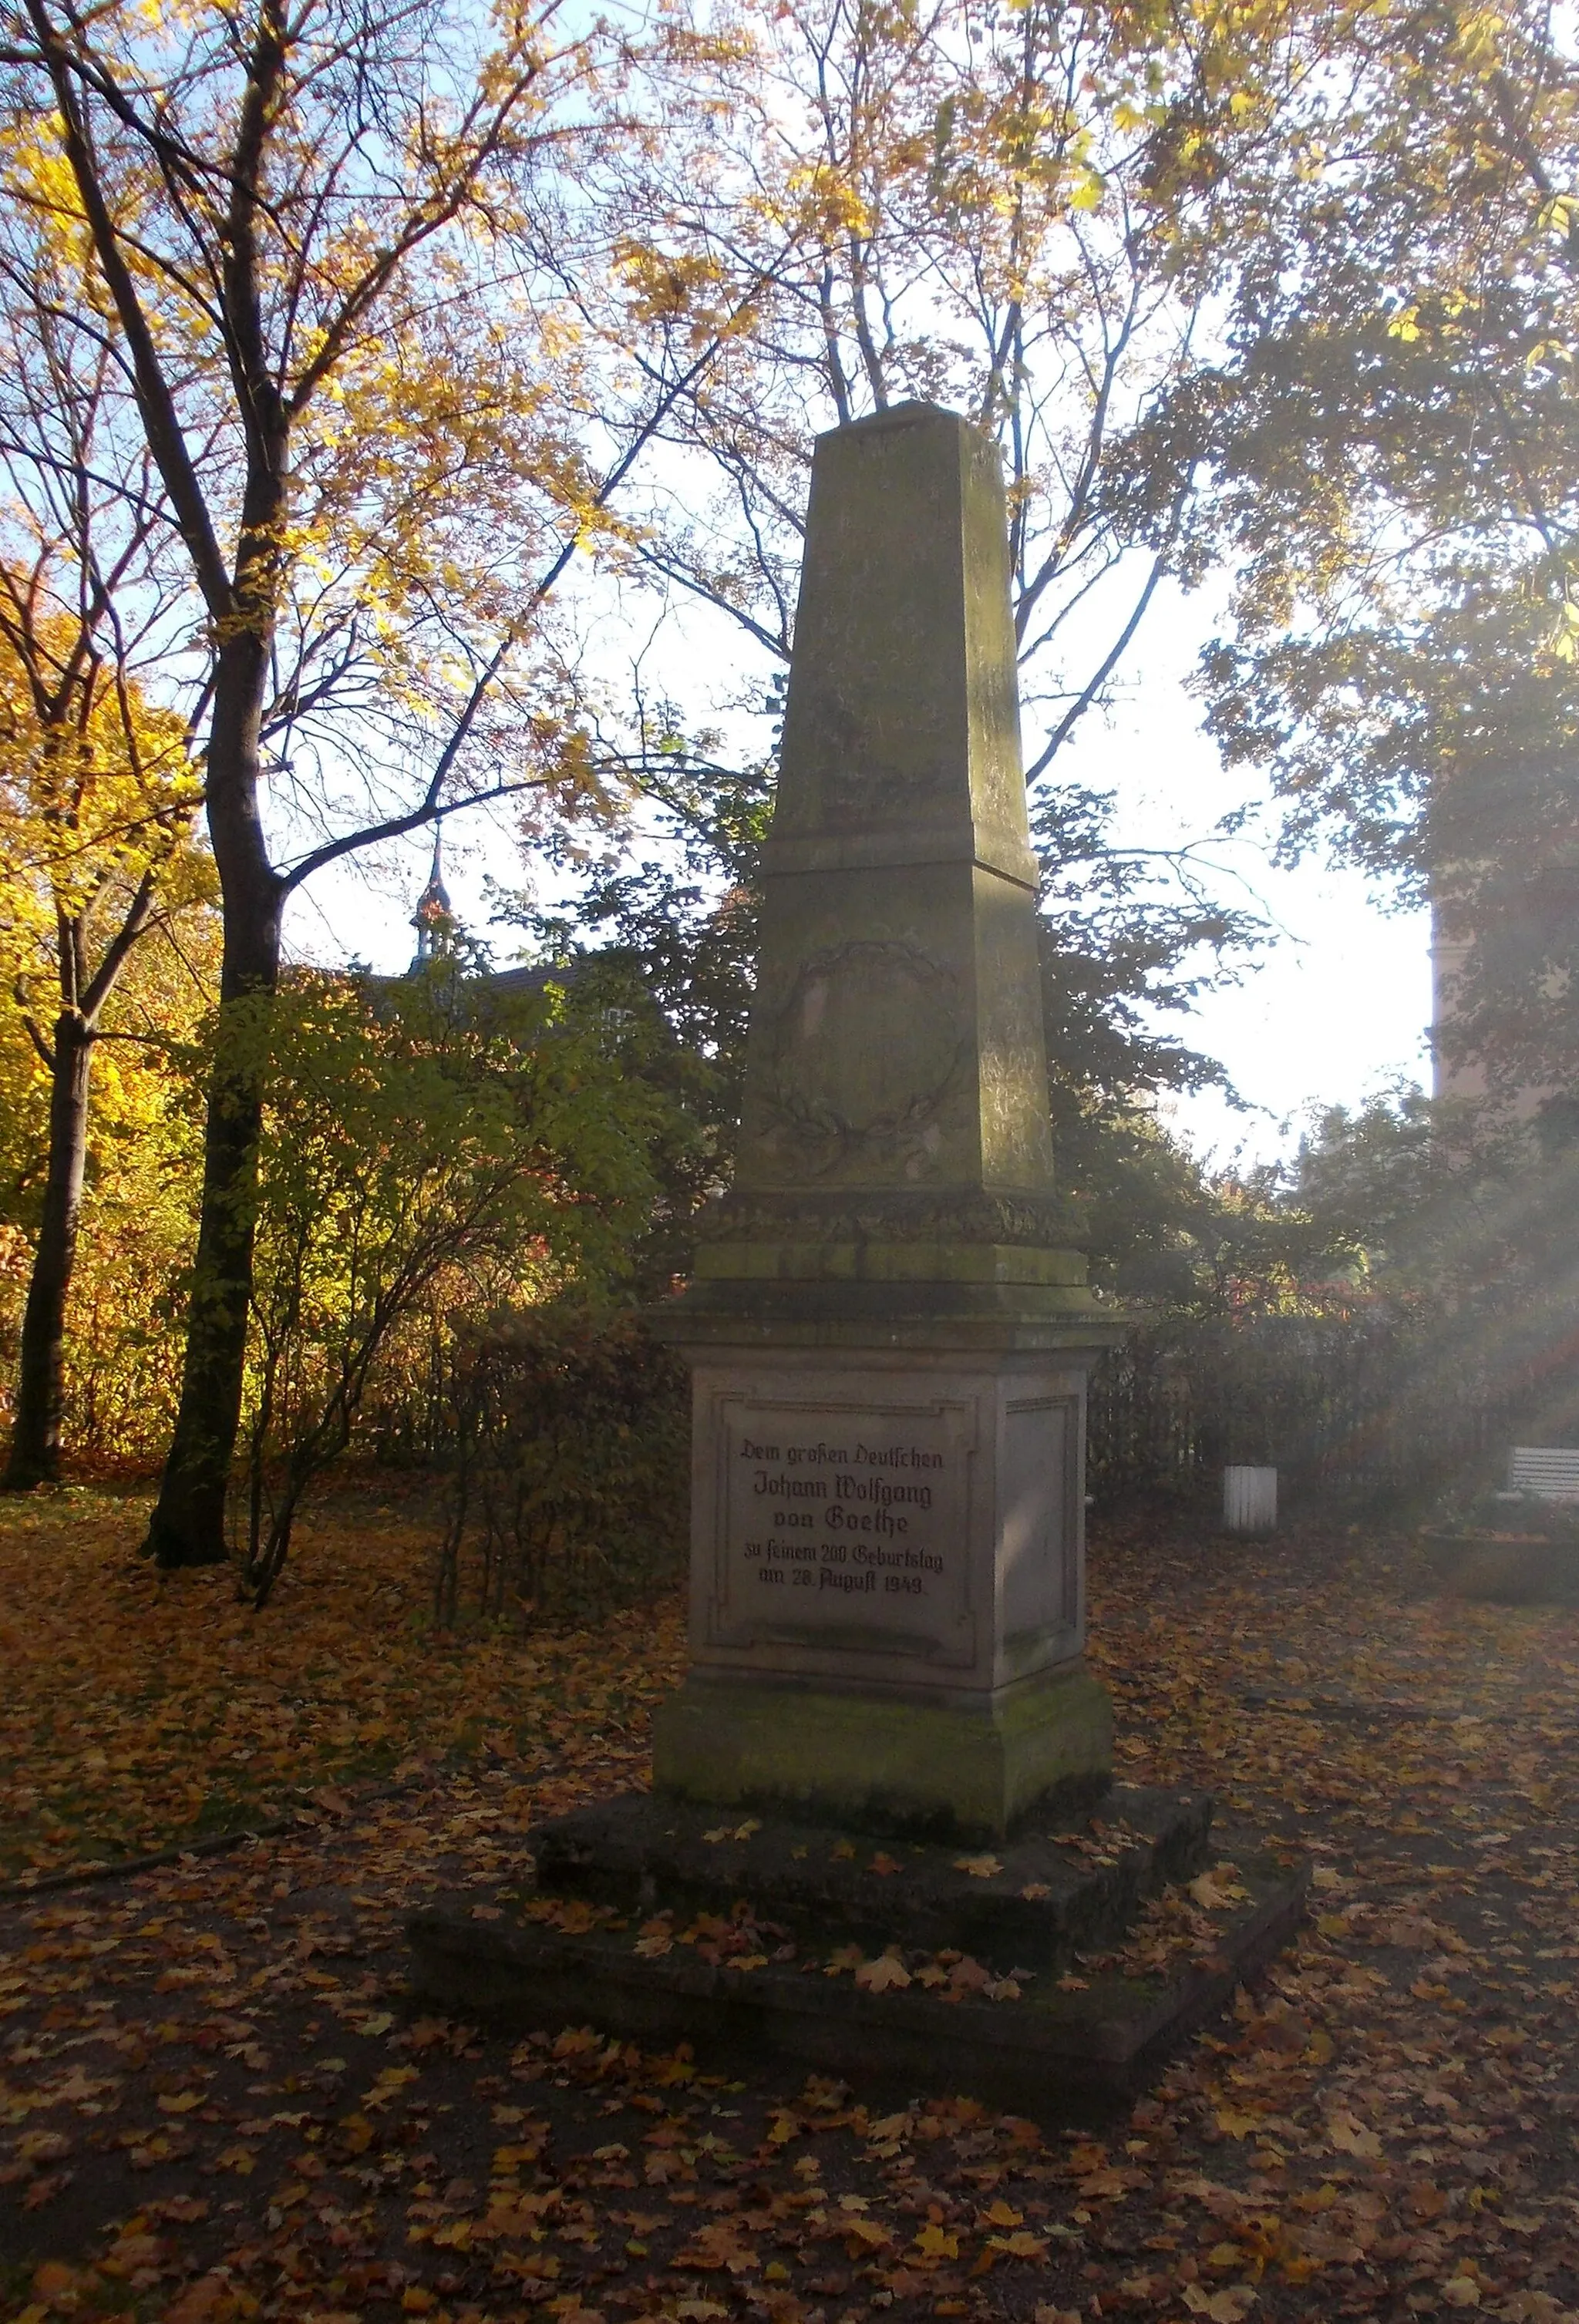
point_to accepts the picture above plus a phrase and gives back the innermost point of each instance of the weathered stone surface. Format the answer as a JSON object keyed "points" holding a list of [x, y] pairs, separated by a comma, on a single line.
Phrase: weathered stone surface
{"points": [[1049, 2054], [896, 1040], [833, 1216], [896, 1129], [887, 1589], [890, 1328], [895, 1524], [882, 1763], [1076, 1882]]}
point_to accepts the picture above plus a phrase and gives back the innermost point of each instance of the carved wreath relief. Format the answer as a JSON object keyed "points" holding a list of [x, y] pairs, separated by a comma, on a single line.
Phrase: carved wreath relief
{"points": [[863, 1055]]}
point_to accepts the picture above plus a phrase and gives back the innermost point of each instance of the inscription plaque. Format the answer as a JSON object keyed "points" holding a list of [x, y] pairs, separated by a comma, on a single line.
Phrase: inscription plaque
{"points": [[844, 1525]]}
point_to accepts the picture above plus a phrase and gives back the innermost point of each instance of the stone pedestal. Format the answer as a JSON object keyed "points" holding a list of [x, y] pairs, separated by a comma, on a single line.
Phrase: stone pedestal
{"points": [[887, 1587]]}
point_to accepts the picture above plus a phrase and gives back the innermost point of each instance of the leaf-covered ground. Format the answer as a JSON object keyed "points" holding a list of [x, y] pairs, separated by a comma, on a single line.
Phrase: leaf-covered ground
{"points": [[141, 1709], [215, 2104]]}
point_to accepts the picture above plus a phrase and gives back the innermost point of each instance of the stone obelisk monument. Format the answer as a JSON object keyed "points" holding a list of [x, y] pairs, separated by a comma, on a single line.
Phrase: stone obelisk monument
{"points": [[889, 1338], [889, 1333]]}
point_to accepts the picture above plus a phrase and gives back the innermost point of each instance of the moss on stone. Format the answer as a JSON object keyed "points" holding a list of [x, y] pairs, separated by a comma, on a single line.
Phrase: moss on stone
{"points": [[882, 1763]]}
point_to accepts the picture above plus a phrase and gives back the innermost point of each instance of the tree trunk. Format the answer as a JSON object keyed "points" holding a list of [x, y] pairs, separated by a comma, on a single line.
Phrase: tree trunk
{"points": [[187, 1525], [35, 1437]]}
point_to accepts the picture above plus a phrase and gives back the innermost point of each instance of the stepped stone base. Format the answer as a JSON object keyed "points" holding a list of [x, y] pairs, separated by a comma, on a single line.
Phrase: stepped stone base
{"points": [[751, 1934]]}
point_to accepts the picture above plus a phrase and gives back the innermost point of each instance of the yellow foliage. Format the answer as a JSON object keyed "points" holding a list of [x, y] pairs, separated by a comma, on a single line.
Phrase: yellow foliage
{"points": [[98, 792]]}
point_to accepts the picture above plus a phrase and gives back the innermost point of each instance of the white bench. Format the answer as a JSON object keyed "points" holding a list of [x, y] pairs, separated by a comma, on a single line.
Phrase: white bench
{"points": [[1550, 1471]]}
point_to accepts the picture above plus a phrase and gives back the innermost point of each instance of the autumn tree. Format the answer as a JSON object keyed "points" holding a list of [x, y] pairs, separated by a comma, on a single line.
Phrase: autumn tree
{"points": [[97, 798], [433, 1128], [1389, 439], [1017, 213], [137, 1221], [325, 252], [97, 787]]}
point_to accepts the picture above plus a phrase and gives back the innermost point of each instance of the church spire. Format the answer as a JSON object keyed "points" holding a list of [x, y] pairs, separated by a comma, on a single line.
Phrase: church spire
{"points": [[433, 919]]}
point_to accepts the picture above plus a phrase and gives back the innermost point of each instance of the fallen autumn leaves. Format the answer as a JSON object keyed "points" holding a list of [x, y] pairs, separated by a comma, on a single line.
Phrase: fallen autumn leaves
{"points": [[214, 2106], [141, 1709]]}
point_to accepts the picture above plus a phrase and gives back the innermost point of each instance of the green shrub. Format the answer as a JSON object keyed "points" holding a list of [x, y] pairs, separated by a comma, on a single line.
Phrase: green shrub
{"points": [[568, 1487], [1514, 1513]]}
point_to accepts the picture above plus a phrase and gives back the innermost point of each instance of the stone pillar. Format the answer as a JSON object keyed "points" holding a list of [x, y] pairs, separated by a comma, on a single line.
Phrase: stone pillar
{"points": [[890, 1331]]}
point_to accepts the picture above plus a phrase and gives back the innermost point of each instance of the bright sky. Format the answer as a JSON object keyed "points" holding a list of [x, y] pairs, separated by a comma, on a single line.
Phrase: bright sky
{"points": [[1336, 1009], [1339, 1005]]}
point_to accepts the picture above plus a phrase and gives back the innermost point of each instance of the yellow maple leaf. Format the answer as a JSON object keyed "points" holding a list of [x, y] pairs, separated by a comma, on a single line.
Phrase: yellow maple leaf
{"points": [[1022, 2244], [1212, 1891], [1351, 2137], [1228, 2306], [934, 2243]]}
